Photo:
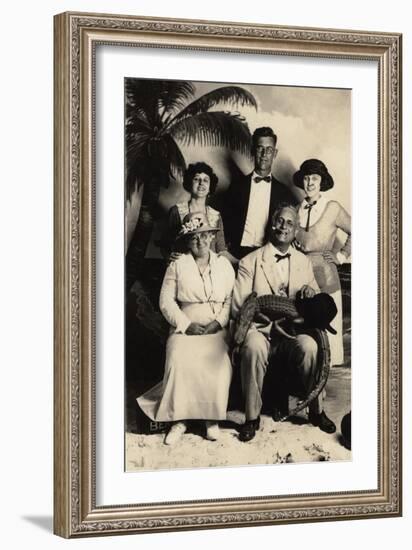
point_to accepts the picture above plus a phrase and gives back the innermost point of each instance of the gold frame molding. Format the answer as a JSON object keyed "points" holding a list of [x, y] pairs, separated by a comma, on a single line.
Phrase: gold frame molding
{"points": [[75, 510]]}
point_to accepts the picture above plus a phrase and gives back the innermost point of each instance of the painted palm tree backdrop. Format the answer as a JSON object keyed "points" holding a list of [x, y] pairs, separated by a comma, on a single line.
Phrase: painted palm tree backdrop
{"points": [[171, 124], [161, 117]]}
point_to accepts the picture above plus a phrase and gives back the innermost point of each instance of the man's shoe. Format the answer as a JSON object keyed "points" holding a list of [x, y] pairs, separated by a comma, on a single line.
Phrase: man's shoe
{"points": [[279, 414], [248, 429], [323, 422]]}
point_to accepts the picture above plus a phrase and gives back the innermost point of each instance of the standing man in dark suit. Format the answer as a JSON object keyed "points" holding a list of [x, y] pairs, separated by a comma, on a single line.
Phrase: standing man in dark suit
{"points": [[251, 200]]}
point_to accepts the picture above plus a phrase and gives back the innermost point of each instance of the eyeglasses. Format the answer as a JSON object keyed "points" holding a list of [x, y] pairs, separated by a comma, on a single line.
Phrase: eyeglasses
{"points": [[262, 150]]}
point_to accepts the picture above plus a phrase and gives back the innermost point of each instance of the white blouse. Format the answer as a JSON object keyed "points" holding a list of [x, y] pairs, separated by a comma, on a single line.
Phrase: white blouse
{"points": [[315, 212], [183, 283]]}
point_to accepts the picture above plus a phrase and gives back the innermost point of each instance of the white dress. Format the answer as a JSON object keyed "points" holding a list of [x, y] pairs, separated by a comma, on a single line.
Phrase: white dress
{"points": [[198, 370], [326, 218]]}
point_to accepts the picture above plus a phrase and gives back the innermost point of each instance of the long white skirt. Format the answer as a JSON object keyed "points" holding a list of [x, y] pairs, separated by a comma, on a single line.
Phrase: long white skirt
{"points": [[196, 381]]}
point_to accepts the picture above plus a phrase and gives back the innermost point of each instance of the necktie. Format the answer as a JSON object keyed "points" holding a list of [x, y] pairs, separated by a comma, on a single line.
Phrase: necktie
{"points": [[257, 179], [309, 207], [281, 257]]}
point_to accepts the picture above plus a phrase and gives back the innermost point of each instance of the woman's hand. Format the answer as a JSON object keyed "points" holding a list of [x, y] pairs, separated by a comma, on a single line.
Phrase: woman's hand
{"points": [[212, 328], [195, 329], [330, 257], [173, 257]]}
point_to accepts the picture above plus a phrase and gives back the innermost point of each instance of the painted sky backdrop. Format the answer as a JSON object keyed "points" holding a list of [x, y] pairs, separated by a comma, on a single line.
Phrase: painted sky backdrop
{"points": [[309, 123]]}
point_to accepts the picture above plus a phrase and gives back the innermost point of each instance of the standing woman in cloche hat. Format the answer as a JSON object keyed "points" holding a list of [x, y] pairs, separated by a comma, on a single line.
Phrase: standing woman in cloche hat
{"points": [[319, 221]]}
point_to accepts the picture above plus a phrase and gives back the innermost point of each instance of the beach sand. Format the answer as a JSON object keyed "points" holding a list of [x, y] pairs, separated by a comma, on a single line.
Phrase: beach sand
{"points": [[294, 440]]}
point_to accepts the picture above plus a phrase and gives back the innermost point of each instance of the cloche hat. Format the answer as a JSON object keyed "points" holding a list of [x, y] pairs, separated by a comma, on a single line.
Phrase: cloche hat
{"points": [[313, 166]]}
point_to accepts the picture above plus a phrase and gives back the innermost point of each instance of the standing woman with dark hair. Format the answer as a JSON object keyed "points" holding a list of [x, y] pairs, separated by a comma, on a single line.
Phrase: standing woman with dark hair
{"points": [[200, 181], [319, 221]]}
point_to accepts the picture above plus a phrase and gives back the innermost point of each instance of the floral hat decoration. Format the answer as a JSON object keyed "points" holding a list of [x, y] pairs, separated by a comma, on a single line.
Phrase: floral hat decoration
{"points": [[195, 222]]}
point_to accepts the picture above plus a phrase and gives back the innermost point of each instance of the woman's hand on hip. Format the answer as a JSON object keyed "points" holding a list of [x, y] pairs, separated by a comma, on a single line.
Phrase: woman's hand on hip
{"points": [[195, 329], [330, 257]]}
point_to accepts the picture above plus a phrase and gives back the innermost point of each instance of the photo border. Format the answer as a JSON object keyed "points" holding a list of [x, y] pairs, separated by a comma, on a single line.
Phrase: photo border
{"points": [[76, 37]]}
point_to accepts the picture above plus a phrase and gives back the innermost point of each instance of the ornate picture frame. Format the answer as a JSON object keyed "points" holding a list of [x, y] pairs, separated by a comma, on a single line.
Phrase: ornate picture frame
{"points": [[76, 509]]}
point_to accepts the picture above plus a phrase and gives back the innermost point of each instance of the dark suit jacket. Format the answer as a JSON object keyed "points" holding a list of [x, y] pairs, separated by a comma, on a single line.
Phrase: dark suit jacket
{"points": [[236, 204]]}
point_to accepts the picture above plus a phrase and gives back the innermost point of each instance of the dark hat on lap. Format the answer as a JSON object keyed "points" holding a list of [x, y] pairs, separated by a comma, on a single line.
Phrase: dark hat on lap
{"points": [[318, 311], [313, 166]]}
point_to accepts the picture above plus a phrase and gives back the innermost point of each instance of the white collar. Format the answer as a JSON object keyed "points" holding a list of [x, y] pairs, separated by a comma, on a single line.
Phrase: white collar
{"points": [[255, 174], [213, 257], [277, 251], [318, 203]]}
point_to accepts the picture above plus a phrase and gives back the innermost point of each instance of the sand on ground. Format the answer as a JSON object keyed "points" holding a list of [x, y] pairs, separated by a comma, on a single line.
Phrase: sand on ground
{"points": [[294, 440]]}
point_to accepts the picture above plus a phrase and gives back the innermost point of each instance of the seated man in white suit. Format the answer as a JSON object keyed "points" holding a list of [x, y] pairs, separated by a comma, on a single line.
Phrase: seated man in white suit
{"points": [[276, 268]]}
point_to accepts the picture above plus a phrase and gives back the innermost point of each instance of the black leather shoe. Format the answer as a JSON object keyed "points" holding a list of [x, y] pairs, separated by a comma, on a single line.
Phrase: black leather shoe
{"points": [[248, 429], [279, 414], [323, 422]]}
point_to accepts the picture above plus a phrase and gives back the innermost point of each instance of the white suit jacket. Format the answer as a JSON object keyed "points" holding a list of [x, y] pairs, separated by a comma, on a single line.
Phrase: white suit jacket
{"points": [[257, 273]]}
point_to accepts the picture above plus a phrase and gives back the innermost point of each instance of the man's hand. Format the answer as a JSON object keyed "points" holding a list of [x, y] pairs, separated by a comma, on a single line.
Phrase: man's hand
{"points": [[261, 318], [277, 327], [195, 329], [307, 292], [212, 327]]}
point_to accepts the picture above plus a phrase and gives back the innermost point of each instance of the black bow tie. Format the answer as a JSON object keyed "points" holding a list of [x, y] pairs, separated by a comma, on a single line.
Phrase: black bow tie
{"points": [[257, 179], [281, 257]]}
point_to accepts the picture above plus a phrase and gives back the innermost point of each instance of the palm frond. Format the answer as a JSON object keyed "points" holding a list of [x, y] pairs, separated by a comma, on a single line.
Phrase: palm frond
{"points": [[174, 95], [142, 99], [230, 95], [154, 98], [158, 119], [177, 163], [157, 159], [138, 126], [215, 129]]}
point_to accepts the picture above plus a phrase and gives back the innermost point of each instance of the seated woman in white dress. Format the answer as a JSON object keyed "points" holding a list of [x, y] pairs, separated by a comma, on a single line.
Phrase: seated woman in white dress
{"points": [[195, 299], [319, 220]]}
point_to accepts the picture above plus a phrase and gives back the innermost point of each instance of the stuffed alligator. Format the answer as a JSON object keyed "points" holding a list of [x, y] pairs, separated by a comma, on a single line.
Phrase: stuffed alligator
{"points": [[314, 314]]}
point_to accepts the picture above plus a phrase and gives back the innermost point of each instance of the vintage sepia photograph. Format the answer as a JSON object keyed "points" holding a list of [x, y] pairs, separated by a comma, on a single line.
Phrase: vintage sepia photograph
{"points": [[215, 325], [237, 274]]}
